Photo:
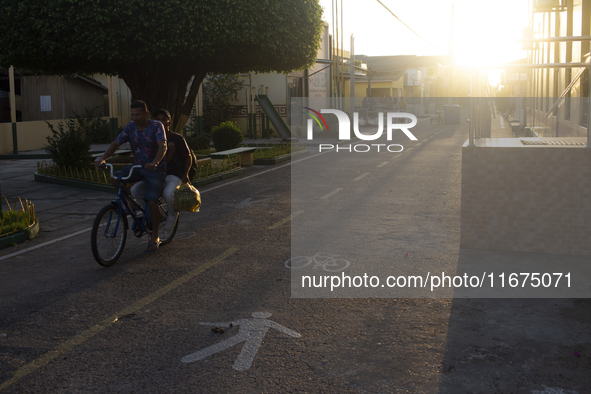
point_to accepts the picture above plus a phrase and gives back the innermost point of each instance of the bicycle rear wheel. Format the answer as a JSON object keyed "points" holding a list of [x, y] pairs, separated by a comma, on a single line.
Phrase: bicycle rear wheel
{"points": [[108, 236], [166, 235], [336, 265]]}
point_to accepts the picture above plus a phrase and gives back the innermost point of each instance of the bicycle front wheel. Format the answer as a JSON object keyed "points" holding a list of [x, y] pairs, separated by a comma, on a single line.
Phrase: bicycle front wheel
{"points": [[108, 236], [298, 262]]}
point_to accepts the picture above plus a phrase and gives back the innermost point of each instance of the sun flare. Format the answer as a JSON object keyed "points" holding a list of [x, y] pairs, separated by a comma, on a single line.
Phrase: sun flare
{"points": [[481, 32]]}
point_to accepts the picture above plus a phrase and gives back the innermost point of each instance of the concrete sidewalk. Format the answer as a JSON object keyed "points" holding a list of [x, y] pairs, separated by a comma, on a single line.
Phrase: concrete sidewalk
{"points": [[500, 128], [61, 210]]}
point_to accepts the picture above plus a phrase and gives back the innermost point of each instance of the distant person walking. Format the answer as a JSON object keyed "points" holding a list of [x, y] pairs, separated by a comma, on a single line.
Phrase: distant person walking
{"points": [[389, 102], [402, 105], [512, 101]]}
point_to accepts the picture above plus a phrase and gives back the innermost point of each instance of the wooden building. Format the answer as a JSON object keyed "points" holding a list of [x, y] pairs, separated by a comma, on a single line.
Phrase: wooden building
{"points": [[48, 97]]}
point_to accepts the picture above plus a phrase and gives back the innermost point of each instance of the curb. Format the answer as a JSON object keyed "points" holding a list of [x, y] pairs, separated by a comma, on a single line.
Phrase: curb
{"points": [[279, 159], [34, 156], [21, 236], [110, 189], [74, 183], [220, 177]]}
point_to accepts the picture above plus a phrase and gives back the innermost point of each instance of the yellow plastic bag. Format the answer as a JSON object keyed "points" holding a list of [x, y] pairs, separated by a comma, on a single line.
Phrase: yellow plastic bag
{"points": [[187, 198]]}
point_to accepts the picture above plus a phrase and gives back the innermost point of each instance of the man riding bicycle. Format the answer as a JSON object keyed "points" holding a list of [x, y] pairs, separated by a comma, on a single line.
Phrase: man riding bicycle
{"points": [[147, 139]]}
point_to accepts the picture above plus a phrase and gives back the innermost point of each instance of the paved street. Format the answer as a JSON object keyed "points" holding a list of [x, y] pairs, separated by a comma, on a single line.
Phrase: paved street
{"points": [[147, 324]]}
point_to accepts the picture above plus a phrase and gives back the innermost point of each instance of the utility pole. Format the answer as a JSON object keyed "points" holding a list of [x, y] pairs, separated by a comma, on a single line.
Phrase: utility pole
{"points": [[13, 109], [352, 74]]}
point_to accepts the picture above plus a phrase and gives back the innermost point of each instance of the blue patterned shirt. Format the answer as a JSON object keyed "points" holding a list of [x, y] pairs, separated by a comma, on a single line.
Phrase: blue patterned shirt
{"points": [[144, 143]]}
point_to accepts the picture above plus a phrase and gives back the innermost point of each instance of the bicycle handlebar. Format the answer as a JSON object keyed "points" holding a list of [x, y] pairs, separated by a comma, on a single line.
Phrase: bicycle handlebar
{"points": [[128, 175]]}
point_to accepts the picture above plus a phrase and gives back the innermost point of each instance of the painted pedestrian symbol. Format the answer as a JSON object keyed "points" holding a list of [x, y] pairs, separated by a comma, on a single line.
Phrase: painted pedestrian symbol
{"points": [[252, 332]]}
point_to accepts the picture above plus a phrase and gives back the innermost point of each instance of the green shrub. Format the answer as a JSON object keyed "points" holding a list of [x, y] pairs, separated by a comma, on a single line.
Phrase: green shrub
{"points": [[96, 129], [226, 136], [68, 147], [198, 143], [13, 221]]}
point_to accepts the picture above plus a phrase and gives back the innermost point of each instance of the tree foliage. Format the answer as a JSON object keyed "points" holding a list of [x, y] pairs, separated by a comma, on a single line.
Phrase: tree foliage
{"points": [[162, 49], [218, 92]]}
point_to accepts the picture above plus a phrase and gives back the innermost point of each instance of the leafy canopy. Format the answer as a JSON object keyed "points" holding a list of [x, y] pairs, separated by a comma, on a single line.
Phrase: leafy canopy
{"points": [[161, 49], [220, 89], [100, 36]]}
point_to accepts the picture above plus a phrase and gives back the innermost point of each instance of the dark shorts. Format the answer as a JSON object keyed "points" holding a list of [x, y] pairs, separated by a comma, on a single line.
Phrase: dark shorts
{"points": [[154, 181]]}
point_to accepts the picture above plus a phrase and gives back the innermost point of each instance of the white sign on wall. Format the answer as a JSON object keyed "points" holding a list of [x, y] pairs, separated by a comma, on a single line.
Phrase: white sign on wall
{"points": [[45, 103]]}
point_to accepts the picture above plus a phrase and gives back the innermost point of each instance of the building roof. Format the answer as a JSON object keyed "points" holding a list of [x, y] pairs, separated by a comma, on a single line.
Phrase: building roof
{"points": [[84, 78], [391, 68], [89, 80]]}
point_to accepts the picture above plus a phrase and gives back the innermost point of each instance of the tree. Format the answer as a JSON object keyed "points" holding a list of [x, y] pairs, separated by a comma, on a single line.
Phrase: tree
{"points": [[218, 91], [161, 49]]}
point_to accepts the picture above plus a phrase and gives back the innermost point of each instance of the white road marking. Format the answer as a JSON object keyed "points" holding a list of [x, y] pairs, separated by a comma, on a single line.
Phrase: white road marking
{"points": [[361, 176], [383, 164], [287, 219], [246, 203], [45, 244], [251, 332], [264, 172], [323, 260], [332, 193]]}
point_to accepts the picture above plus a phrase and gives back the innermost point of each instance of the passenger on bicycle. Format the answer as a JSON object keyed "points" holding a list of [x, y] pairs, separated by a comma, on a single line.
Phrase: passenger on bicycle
{"points": [[178, 162], [147, 139]]}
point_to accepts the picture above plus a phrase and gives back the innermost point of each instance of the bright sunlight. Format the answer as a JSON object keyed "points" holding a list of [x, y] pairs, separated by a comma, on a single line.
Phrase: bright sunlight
{"points": [[482, 30]]}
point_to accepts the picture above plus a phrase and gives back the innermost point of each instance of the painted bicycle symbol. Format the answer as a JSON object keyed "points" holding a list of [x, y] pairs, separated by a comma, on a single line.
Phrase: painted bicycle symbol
{"points": [[326, 261]]}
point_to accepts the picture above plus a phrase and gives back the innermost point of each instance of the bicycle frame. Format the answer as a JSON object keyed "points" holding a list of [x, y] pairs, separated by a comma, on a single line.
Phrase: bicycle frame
{"points": [[140, 224]]}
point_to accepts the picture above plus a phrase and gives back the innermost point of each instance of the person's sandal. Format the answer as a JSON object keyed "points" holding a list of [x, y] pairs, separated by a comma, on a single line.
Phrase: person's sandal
{"points": [[150, 246]]}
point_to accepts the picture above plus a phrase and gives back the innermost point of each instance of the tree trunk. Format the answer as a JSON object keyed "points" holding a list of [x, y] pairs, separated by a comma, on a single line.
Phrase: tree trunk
{"points": [[173, 87]]}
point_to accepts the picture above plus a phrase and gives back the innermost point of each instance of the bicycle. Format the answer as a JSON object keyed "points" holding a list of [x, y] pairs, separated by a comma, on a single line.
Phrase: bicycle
{"points": [[326, 261], [109, 230]]}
